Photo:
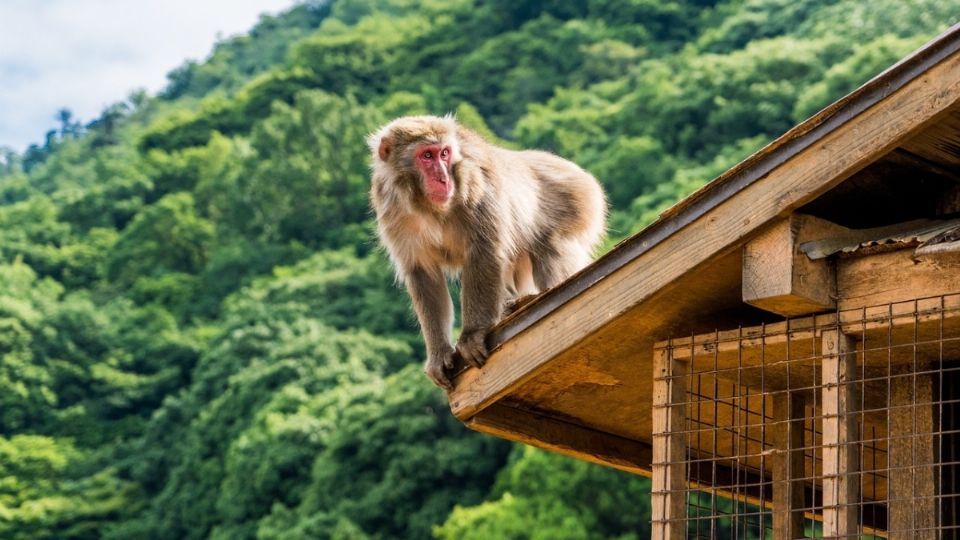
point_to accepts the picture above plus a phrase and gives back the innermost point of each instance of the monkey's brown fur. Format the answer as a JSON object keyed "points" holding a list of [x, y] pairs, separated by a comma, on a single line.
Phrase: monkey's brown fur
{"points": [[509, 223]]}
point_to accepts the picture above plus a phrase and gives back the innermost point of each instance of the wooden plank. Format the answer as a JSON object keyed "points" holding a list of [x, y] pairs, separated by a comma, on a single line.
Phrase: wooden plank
{"points": [[669, 492], [797, 181], [778, 277], [913, 494], [788, 467], [841, 481], [893, 277], [563, 437]]}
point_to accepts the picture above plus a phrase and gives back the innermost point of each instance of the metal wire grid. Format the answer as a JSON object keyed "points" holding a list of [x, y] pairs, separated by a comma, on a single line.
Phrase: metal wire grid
{"points": [[748, 391]]}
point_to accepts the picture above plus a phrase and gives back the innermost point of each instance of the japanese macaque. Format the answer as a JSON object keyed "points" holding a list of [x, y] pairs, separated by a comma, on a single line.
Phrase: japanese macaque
{"points": [[509, 223]]}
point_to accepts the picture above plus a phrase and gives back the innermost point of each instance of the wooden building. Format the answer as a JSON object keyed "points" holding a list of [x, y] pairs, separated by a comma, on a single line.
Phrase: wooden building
{"points": [[780, 351]]}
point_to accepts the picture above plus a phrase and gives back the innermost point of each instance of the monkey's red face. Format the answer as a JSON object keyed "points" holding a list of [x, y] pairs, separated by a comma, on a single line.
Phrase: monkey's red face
{"points": [[434, 162]]}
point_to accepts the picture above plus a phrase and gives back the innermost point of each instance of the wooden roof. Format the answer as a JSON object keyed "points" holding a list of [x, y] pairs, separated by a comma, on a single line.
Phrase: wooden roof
{"points": [[572, 371]]}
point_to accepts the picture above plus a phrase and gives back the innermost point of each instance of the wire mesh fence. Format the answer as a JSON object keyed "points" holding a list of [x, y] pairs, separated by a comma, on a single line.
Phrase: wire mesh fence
{"points": [[844, 425]]}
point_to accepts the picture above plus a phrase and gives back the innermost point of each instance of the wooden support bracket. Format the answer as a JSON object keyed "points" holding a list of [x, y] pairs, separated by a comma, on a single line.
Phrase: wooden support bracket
{"points": [[779, 278]]}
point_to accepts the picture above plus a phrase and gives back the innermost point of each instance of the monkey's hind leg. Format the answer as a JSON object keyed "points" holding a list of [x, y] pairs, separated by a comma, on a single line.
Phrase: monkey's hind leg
{"points": [[521, 287], [558, 260]]}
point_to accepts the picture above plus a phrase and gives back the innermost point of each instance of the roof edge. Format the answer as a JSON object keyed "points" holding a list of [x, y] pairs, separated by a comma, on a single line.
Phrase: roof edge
{"points": [[750, 170]]}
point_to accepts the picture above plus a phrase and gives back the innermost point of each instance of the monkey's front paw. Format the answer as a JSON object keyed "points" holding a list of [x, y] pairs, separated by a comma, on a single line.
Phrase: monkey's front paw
{"points": [[434, 368], [472, 347]]}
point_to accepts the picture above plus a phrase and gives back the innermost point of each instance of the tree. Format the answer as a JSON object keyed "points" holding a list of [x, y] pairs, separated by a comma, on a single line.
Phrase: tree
{"points": [[544, 496], [68, 127], [394, 464], [46, 495], [307, 179], [165, 237], [244, 434]]}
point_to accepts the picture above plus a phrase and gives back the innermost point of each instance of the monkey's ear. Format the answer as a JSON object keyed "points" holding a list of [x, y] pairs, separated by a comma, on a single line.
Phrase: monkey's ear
{"points": [[386, 145]]}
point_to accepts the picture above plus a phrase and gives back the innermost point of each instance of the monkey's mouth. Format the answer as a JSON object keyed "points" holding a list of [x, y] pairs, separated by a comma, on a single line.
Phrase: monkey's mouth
{"points": [[439, 190]]}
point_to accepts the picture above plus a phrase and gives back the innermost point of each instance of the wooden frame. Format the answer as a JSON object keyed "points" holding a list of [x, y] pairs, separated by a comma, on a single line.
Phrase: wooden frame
{"points": [[867, 367]]}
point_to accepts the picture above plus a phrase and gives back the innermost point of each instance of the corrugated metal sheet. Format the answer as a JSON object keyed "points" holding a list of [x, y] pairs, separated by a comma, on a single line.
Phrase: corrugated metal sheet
{"points": [[897, 236]]}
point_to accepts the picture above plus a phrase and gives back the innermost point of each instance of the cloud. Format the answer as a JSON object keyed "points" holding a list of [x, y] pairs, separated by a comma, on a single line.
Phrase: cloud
{"points": [[86, 54]]}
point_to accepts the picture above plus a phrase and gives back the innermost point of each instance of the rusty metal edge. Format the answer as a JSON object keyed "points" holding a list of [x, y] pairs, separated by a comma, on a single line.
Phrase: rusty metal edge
{"points": [[742, 175]]}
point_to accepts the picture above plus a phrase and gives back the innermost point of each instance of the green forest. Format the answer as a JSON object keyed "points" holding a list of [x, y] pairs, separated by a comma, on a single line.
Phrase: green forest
{"points": [[199, 335]]}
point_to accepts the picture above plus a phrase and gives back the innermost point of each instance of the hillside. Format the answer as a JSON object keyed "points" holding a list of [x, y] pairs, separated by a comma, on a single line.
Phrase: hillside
{"points": [[199, 338]]}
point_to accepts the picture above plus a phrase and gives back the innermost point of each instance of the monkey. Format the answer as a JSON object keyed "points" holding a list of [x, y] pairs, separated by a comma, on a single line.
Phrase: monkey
{"points": [[508, 223]]}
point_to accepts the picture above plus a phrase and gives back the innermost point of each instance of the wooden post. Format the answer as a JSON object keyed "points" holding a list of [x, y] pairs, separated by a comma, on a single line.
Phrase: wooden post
{"points": [[841, 481], [669, 496], [912, 481], [788, 467]]}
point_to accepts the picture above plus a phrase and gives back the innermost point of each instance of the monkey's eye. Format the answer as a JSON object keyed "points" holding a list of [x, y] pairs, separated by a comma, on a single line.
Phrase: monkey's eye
{"points": [[428, 155], [445, 153]]}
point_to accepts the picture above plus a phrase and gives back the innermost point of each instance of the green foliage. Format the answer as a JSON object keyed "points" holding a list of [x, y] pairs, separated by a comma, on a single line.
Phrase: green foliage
{"points": [[26, 387], [218, 114], [629, 167], [198, 338], [545, 496], [395, 463], [256, 414], [45, 495], [698, 103], [306, 180], [866, 61], [235, 60], [522, 67], [167, 236], [756, 19], [338, 288]]}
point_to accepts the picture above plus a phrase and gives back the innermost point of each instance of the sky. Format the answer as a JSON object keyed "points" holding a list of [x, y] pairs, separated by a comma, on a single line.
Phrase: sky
{"points": [[84, 55]]}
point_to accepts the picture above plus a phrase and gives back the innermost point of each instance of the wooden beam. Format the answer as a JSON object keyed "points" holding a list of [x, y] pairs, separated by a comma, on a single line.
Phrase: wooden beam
{"points": [[800, 178], [562, 437], [841, 479], [788, 465], [778, 277], [894, 276], [913, 495], [669, 491]]}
